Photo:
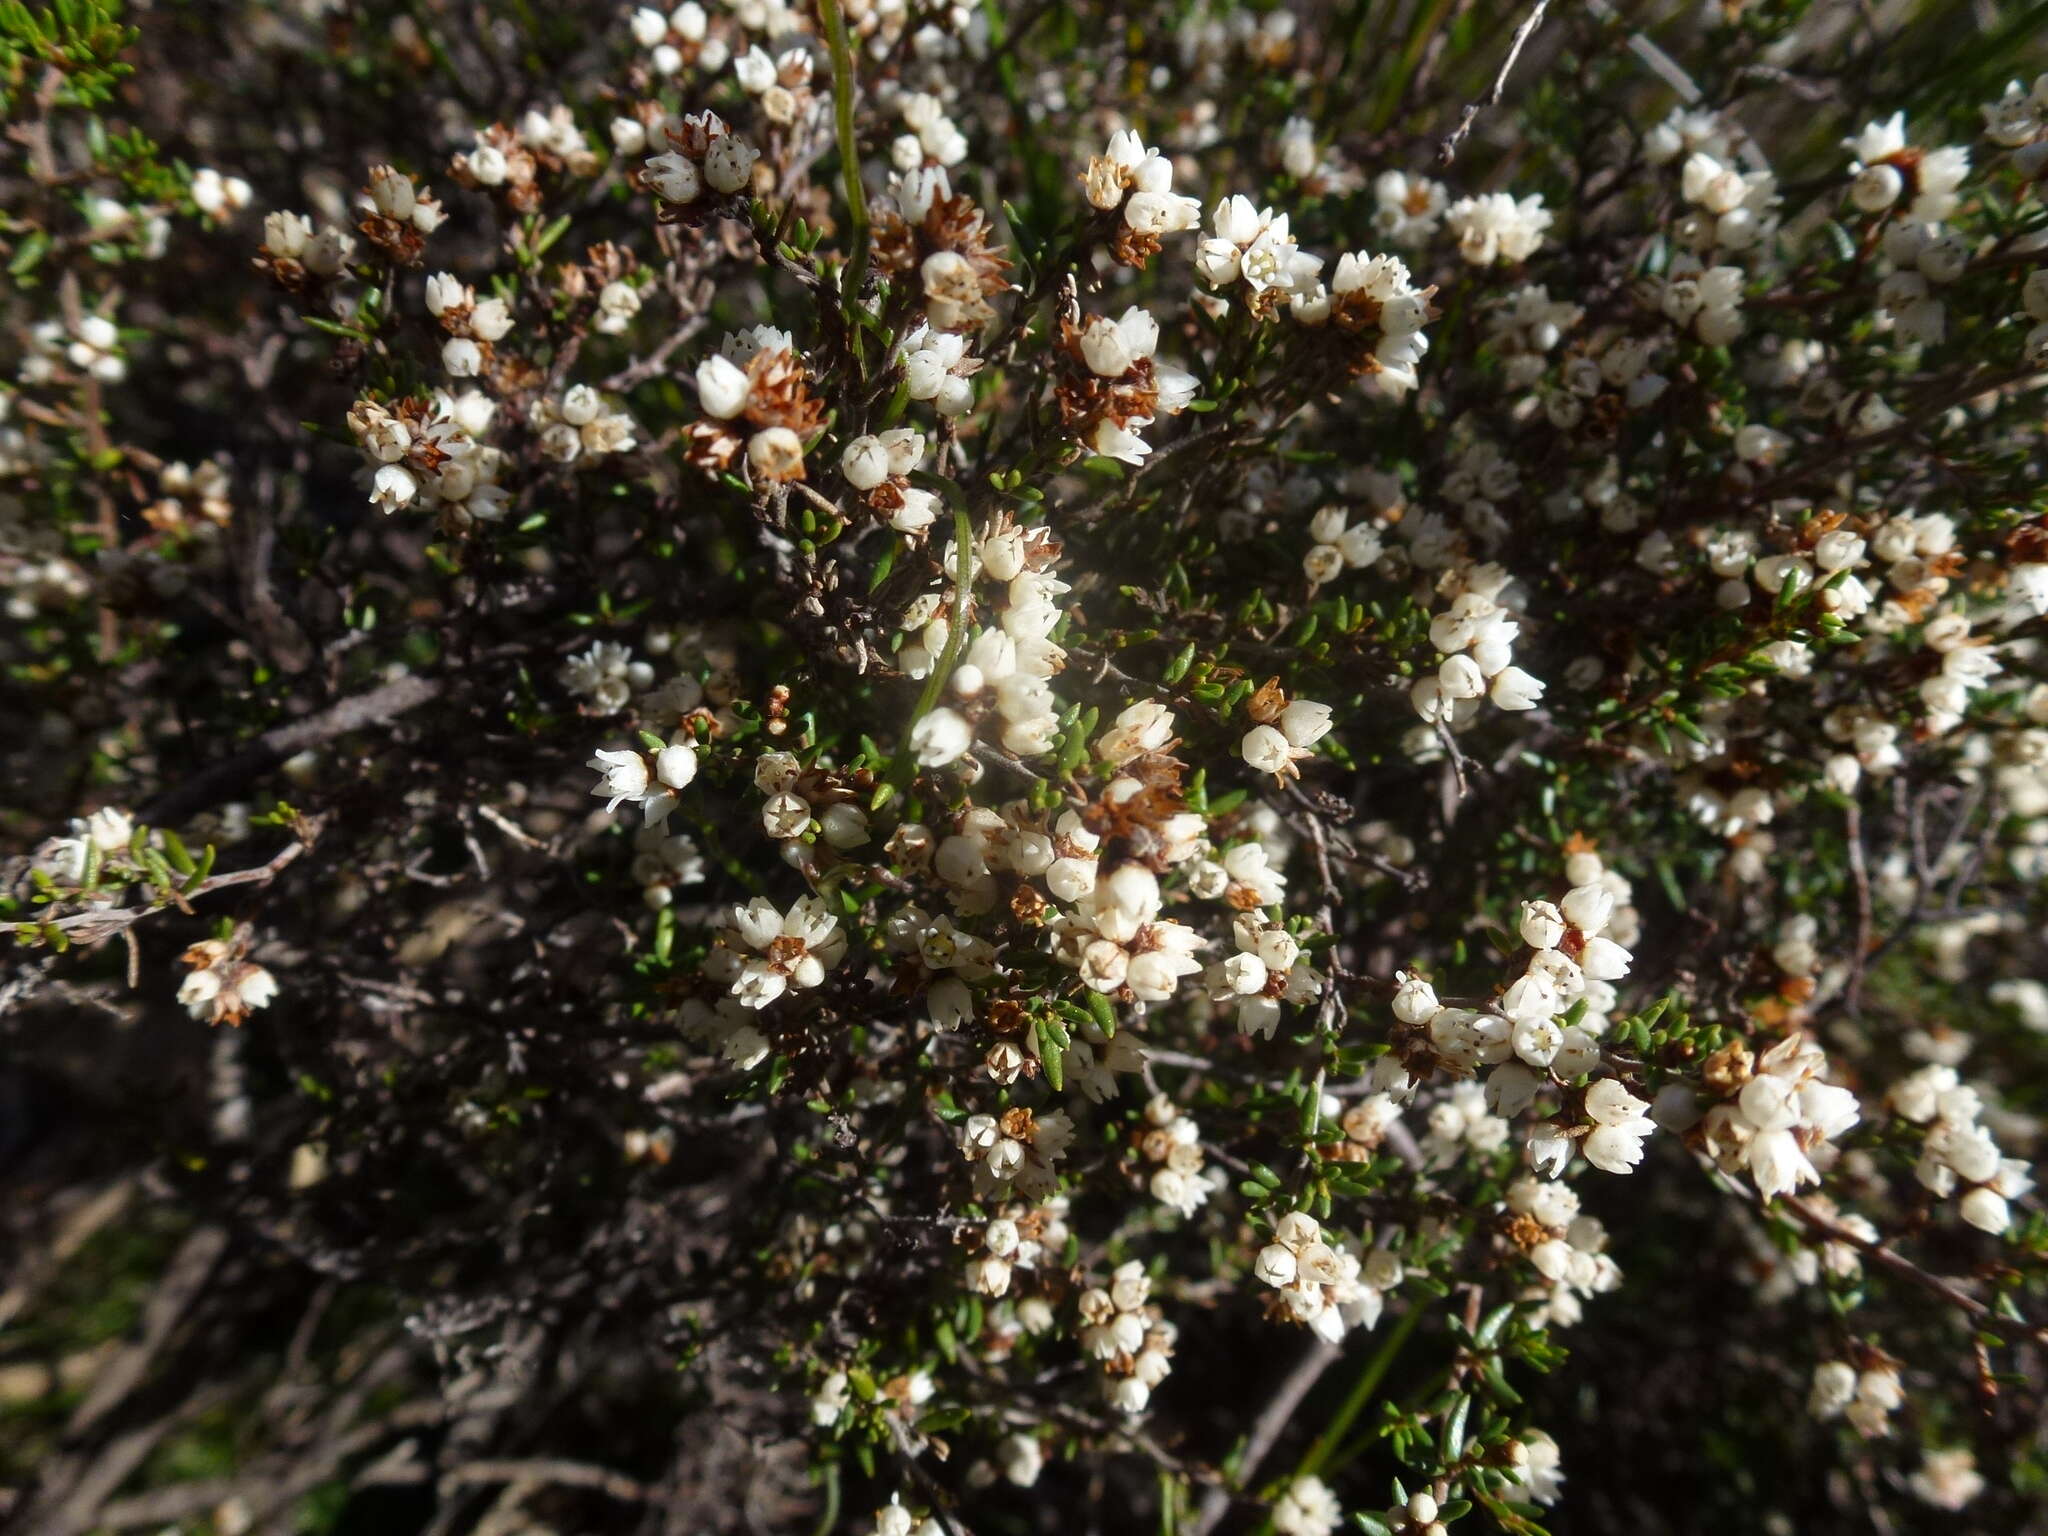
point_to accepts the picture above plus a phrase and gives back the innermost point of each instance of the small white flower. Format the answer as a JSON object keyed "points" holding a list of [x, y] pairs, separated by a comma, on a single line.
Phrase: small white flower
{"points": [[622, 776], [941, 737]]}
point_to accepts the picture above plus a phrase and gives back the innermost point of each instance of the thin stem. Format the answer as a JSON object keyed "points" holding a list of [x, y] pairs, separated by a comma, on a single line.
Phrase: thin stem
{"points": [[1266, 1431], [1361, 1393], [956, 639], [849, 149], [1447, 151]]}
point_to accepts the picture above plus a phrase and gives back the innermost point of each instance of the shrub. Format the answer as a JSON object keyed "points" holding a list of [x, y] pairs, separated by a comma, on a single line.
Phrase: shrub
{"points": [[801, 789]]}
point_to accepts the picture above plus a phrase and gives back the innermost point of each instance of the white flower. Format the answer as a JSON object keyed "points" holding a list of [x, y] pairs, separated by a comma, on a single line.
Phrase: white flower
{"points": [[1105, 349], [1308, 1508], [1985, 1209], [393, 487], [1833, 1388], [1276, 1265], [674, 178], [941, 737], [1604, 960], [1495, 227], [1536, 1468], [1609, 1103], [1777, 1164], [675, 765], [622, 776], [1769, 1103], [722, 387], [1947, 1479], [1460, 678], [1266, 750], [1304, 723], [1415, 1000], [1515, 689], [1530, 998], [1021, 1458], [865, 463], [1588, 908], [1541, 925], [729, 163]]}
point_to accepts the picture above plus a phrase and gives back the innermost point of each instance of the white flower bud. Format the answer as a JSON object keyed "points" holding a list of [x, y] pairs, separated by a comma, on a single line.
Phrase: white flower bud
{"points": [[865, 463], [729, 163], [722, 387], [941, 737], [674, 178]]}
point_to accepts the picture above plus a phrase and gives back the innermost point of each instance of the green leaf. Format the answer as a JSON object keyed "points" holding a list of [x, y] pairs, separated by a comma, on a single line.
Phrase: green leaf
{"points": [[1454, 1429], [28, 254], [174, 850], [1101, 1010]]}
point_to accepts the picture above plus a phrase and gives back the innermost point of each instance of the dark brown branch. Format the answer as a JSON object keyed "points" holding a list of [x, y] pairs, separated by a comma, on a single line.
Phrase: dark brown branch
{"points": [[224, 779], [1898, 1264]]}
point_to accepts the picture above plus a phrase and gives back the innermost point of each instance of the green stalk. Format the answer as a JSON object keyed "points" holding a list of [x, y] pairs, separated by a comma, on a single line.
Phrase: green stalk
{"points": [[1317, 1456], [956, 640], [849, 151], [830, 1517], [1368, 1382], [1428, 19]]}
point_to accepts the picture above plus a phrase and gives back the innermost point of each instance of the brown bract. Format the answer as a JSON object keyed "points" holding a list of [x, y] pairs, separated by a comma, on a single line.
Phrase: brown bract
{"points": [[1086, 399], [1139, 822], [955, 225], [710, 445], [779, 394], [1133, 247], [522, 167]]}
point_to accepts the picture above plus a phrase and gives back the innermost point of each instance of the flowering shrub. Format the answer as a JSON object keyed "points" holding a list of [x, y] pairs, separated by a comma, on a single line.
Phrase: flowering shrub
{"points": [[1275, 768]]}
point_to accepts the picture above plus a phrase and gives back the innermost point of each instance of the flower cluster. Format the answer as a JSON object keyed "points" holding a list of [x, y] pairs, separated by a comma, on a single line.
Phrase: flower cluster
{"points": [[1136, 184], [763, 951], [1122, 1329], [1323, 1284], [397, 215], [220, 985], [429, 451], [1114, 388], [1780, 1114], [705, 168], [755, 394], [1056, 821]]}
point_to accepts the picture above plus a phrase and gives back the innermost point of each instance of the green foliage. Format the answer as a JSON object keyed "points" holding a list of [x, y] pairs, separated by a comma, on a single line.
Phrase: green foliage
{"points": [[67, 52]]}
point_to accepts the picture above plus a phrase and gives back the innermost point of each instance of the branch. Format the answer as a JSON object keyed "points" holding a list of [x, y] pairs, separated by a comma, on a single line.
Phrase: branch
{"points": [[379, 706], [1859, 870], [564, 1474], [1273, 1418], [1447, 151], [1898, 1264], [92, 927]]}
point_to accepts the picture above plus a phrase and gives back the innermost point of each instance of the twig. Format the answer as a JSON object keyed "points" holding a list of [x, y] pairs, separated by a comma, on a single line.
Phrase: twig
{"points": [[1898, 1264], [655, 363], [379, 706], [92, 927], [181, 1285], [1272, 1420], [564, 1474], [510, 828], [1859, 872], [1455, 756], [1447, 151]]}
